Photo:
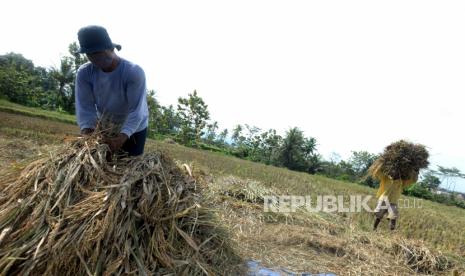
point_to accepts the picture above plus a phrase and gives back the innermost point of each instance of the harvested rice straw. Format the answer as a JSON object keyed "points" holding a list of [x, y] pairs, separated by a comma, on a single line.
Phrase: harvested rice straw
{"points": [[80, 213], [400, 160]]}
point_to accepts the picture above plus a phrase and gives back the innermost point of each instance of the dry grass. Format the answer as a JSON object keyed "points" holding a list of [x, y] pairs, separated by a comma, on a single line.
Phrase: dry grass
{"points": [[245, 190], [319, 242], [79, 213], [37, 126], [420, 258]]}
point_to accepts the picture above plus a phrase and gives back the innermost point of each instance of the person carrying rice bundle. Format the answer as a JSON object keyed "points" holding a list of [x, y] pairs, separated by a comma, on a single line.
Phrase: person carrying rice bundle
{"points": [[397, 168]]}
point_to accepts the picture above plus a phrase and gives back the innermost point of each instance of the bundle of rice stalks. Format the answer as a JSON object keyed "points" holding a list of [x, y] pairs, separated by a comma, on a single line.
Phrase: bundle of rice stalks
{"points": [[420, 258], [244, 190], [77, 213], [401, 160]]}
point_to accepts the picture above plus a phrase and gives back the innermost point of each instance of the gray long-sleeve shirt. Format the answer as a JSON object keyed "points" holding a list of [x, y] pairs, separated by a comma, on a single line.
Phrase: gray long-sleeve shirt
{"points": [[119, 96]]}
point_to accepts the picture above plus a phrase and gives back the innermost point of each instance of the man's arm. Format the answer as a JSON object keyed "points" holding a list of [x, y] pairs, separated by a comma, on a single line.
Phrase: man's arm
{"points": [[86, 113], [137, 102]]}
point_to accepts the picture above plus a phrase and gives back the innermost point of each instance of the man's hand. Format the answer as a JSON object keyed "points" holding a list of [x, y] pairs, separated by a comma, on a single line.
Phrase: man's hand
{"points": [[117, 142], [87, 131]]}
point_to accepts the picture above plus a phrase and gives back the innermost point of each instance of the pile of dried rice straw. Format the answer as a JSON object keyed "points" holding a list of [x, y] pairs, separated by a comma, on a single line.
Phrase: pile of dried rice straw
{"points": [[77, 213], [401, 160]]}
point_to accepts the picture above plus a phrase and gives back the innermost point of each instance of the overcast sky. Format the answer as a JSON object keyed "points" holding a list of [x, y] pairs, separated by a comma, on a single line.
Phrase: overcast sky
{"points": [[356, 75]]}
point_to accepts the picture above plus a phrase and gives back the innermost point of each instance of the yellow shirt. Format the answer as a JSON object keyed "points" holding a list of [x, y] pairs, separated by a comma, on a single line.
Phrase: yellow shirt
{"points": [[391, 189]]}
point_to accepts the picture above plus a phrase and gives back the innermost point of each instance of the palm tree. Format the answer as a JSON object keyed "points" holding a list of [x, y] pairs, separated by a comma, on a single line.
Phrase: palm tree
{"points": [[292, 151], [64, 75]]}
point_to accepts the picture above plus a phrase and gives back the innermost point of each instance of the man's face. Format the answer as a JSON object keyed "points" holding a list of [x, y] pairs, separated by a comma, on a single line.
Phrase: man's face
{"points": [[102, 59]]}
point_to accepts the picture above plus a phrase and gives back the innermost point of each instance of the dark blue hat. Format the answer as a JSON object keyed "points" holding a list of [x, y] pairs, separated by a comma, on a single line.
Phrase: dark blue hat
{"points": [[95, 39]]}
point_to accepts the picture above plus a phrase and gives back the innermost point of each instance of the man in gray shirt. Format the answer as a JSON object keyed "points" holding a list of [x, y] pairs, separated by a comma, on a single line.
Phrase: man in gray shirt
{"points": [[111, 89]]}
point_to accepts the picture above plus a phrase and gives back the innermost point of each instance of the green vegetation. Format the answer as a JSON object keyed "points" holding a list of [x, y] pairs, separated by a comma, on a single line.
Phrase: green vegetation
{"points": [[36, 112], [48, 88]]}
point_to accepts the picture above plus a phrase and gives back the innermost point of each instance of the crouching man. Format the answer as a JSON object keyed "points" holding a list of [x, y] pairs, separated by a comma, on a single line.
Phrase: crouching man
{"points": [[111, 89]]}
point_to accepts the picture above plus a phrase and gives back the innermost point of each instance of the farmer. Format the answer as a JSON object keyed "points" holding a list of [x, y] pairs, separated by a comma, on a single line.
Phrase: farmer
{"points": [[111, 90], [388, 196]]}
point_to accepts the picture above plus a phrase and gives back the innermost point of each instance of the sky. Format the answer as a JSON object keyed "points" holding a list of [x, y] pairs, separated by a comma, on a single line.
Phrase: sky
{"points": [[356, 75]]}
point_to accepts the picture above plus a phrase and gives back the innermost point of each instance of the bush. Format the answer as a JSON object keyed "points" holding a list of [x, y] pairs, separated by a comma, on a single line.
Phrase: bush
{"points": [[419, 191]]}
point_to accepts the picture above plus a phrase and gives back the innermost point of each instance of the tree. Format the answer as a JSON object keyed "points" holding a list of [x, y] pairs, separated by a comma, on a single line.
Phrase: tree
{"points": [[237, 137], [269, 147], [22, 82], [163, 120], [169, 122], [430, 181], [240, 148], [154, 113], [193, 114], [448, 176], [361, 161], [291, 155], [64, 74], [14, 85], [221, 140], [253, 142], [338, 168], [210, 135], [17, 61], [297, 152], [77, 60], [44, 89]]}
